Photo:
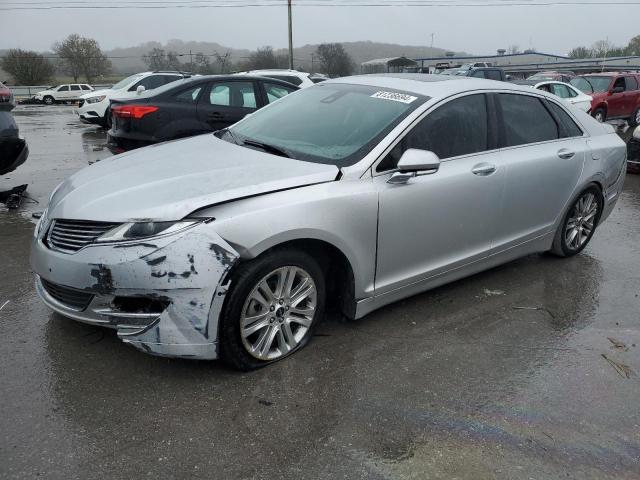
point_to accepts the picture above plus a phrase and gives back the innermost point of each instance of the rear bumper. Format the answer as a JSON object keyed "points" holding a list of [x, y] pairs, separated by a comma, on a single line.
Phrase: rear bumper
{"points": [[118, 144], [184, 272], [13, 153]]}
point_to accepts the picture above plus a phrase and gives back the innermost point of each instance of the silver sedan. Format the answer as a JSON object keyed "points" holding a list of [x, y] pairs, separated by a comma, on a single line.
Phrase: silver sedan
{"points": [[349, 195]]}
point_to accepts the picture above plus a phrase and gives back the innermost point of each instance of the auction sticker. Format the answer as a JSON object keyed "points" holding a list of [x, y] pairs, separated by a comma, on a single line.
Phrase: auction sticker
{"points": [[396, 97]]}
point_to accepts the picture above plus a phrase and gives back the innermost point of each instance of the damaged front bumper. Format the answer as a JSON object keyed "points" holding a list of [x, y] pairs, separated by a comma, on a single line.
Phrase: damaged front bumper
{"points": [[163, 295]]}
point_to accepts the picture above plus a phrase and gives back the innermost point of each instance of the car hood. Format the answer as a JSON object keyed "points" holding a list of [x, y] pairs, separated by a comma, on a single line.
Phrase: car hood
{"points": [[171, 180], [95, 93]]}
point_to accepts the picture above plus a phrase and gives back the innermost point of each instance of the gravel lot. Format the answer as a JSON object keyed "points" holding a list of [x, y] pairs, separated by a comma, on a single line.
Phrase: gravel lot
{"points": [[501, 375]]}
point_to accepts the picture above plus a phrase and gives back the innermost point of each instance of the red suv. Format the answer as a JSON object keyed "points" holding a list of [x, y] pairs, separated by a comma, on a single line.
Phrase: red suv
{"points": [[615, 95]]}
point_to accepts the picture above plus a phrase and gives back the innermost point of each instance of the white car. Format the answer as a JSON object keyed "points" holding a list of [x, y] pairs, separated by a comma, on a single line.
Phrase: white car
{"points": [[63, 93], [568, 93], [299, 79], [94, 106]]}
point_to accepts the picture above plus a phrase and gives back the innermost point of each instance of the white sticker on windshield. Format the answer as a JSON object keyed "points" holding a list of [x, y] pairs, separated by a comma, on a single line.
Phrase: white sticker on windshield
{"points": [[396, 97]]}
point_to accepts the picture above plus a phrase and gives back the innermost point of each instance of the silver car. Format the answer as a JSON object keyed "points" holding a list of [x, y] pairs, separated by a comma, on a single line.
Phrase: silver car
{"points": [[350, 194]]}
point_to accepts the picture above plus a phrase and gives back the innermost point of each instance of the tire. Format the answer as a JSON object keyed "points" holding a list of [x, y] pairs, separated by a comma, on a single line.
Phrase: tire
{"points": [[49, 100], [600, 114], [584, 214], [245, 344], [634, 121], [106, 121]]}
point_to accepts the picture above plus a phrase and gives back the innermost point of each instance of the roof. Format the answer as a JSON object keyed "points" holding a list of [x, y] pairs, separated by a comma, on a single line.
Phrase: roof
{"points": [[435, 86], [473, 57], [396, 61]]}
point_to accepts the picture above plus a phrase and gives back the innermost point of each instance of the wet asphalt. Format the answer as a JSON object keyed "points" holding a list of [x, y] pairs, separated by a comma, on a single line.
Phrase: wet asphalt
{"points": [[502, 375]]}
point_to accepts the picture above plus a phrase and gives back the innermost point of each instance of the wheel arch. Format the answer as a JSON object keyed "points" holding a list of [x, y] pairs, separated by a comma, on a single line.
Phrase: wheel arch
{"points": [[336, 263]]}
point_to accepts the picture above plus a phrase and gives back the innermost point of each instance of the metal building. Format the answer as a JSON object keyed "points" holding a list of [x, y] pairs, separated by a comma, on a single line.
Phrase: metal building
{"points": [[387, 65]]}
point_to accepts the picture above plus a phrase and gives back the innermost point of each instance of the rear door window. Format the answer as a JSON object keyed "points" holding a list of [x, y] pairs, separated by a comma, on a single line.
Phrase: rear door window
{"points": [[525, 120], [233, 94], [75, 87], [85, 87], [630, 83], [560, 90], [569, 127], [275, 91]]}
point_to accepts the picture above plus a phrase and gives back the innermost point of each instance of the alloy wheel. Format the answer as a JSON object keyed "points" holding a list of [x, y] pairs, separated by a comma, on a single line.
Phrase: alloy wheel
{"points": [[599, 117], [278, 313], [581, 223]]}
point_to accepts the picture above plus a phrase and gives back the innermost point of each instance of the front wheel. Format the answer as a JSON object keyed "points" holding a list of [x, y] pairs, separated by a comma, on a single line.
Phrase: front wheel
{"points": [[49, 100], [579, 224], [274, 303]]}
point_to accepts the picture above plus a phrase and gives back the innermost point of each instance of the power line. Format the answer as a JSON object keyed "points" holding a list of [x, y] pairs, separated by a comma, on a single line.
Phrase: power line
{"points": [[306, 3]]}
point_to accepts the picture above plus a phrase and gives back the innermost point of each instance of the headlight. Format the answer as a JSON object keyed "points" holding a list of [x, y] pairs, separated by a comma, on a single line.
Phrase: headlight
{"points": [[96, 99], [138, 230], [42, 224]]}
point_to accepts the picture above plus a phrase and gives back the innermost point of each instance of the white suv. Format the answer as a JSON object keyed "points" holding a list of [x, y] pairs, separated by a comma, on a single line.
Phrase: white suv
{"points": [[94, 106], [63, 93], [299, 79]]}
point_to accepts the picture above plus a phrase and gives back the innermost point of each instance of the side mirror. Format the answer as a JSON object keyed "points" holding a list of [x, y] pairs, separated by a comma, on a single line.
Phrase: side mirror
{"points": [[617, 90], [636, 133], [415, 162], [140, 89]]}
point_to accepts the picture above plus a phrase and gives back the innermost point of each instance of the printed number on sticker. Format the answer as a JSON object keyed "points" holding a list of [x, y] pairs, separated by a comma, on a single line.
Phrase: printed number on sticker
{"points": [[396, 97]]}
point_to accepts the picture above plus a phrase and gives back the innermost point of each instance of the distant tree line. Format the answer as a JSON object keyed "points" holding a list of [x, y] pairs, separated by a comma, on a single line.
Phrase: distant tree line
{"points": [[604, 48], [81, 58], [75, 56]]}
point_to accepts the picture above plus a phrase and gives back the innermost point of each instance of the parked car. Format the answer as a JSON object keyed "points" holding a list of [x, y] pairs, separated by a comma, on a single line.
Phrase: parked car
{"points": [[94, 107], [13, 148], [633, 152], [63, 93], [353, 193], [550, 75], [568, 93], [190, 107], [299, 79], [490, 73], [615, 96]]}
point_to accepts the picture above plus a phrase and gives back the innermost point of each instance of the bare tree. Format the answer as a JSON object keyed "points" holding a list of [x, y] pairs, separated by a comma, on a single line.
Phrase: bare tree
{"points": [[156, 59], [334, 60], [81, 56], [633, 48], [580, 52], [223, 62], [27, 67]]}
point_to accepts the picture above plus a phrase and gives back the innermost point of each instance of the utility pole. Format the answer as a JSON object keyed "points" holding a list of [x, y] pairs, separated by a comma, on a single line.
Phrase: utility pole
{"points": [[432, 35], [290, 37]]}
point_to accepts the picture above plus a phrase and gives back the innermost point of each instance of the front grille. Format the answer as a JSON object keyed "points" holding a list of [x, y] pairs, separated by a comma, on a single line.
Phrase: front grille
{"points": [[70, 297], [72, 235], [80, 103]]}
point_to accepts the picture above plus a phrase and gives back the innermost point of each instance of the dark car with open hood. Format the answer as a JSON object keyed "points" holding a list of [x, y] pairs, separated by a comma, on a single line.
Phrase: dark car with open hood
{"points": [[13, 148], [190, 107]]}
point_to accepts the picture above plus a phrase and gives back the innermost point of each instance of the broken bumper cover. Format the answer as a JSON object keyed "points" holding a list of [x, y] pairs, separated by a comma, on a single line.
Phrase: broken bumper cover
{"points": [[183, 275]]}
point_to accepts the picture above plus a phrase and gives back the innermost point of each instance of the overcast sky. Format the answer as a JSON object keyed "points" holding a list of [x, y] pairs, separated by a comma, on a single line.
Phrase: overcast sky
{"points": [[480, 30]]}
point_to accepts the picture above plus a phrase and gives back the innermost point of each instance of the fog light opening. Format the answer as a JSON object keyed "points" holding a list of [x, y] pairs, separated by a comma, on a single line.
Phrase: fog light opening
{"points": [[139, 305]]}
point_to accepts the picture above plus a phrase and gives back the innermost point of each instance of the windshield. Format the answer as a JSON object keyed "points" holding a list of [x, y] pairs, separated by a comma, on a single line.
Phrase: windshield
{"points": [[329, 123], [592, 84], [123, 83], [542, 77]]}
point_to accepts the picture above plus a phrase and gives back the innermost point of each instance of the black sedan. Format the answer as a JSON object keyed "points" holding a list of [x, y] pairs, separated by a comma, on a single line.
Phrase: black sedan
{"points": [[190, 107]]}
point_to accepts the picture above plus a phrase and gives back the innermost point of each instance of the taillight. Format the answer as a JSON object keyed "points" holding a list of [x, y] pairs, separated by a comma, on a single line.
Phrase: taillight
{"points": [[132, 111]]}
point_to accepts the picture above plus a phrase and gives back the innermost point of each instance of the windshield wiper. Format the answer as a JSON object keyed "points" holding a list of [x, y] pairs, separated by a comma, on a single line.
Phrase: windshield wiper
{"points": [[267, 148]]}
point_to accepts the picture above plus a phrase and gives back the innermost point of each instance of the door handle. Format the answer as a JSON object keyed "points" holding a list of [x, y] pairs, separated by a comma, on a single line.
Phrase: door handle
{"points": [[215, 116], [483, 169], [565, 154]]}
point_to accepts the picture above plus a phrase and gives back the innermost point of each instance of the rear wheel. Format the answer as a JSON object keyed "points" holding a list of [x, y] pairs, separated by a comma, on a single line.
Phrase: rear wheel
{"points": [[600, 114], [272, 308], [49, 100], [579, 223], [634, 121]]}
